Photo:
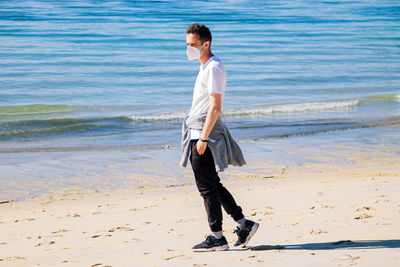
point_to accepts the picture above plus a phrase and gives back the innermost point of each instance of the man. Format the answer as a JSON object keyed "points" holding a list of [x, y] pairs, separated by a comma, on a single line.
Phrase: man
{"points": [[210, 144]]}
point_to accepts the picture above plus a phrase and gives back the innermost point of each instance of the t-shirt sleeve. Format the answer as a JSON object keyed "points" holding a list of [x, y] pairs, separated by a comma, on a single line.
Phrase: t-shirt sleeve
{"points": [[216, 81]]}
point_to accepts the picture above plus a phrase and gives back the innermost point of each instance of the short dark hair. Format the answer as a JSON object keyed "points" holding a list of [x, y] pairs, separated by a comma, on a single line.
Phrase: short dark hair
{"points": [[202, 30]]}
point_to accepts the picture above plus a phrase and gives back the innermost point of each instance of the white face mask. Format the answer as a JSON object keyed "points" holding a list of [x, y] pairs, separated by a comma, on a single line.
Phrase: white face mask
{"points": [[193, 52]]}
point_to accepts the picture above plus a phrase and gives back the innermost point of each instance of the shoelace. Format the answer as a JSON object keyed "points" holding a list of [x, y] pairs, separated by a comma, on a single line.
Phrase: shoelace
{"points": [[241, 232], [208, 239]]}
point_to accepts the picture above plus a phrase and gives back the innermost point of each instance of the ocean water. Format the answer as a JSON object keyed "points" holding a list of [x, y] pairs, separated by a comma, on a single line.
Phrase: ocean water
{"points": [[79, 76]]}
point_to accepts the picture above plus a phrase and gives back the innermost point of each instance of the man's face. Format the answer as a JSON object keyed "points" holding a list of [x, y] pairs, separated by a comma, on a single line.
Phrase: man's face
{"points": [[192, 39]]}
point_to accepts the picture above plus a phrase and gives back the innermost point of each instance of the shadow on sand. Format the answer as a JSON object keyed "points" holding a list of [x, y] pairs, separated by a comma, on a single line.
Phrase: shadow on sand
{"points": [[343, 244]]}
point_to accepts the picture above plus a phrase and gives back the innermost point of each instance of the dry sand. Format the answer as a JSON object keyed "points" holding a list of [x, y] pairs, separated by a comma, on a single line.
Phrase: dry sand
{"points": [[331, 214]]}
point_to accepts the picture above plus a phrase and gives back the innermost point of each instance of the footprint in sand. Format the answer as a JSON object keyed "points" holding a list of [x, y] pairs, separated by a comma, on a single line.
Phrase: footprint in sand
{"points": [[41, 244], [13, 258], [363, 216], [39, 211], [59, 231], [136, 209], [120, 228], [347, 257], [327, 206], [364, 208], [74, 215], [185, 220], [25, 219], [317, 232], [100, 264], [173, 257]]}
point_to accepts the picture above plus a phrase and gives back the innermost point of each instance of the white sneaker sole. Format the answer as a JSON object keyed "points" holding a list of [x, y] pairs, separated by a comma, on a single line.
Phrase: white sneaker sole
{"points": [[220, 248], [252, 232]]}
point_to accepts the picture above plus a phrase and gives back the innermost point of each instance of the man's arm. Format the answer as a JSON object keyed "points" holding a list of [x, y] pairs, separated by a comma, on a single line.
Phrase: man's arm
{"points": [[212, 116]]}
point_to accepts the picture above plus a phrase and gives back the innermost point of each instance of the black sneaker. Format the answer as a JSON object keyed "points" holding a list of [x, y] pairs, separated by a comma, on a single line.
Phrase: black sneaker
{"points": [[212, 244], [245, 234]]}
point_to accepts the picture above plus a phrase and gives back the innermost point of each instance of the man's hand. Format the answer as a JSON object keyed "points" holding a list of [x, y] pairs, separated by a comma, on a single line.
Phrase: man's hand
{"points": [[201, 147]]}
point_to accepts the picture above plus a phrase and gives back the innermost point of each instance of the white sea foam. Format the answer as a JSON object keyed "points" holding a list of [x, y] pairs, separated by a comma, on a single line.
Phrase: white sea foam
{"points": [[165, 116], [260, 110], [296, 107]]}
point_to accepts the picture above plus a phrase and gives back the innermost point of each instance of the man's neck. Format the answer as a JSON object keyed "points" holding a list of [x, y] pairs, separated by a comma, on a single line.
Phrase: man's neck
{"points": [[206, 56]]}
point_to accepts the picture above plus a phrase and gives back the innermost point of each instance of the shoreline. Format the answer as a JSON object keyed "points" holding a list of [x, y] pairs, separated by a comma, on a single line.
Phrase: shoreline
{"points": [[29, 175]]}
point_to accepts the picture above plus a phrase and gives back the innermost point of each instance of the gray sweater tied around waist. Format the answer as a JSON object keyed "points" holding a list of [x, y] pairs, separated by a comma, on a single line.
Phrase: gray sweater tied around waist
{"points": [[223, 148]]}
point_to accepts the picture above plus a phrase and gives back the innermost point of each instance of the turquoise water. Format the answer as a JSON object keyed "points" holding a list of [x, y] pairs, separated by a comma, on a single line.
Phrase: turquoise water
{"points": [[78, 75], [98, 76]]}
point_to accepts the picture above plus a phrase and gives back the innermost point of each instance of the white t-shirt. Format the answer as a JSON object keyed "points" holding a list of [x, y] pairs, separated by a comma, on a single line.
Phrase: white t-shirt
{"points": [[211, 79]]}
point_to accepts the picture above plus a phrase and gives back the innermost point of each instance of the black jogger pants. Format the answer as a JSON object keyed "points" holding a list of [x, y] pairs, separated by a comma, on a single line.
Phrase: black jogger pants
{"points": [[211, 189]]}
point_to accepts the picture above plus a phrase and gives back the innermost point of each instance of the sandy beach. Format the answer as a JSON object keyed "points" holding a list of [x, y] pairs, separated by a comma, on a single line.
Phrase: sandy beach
{"points": [[93, 96], [337, 213]]}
